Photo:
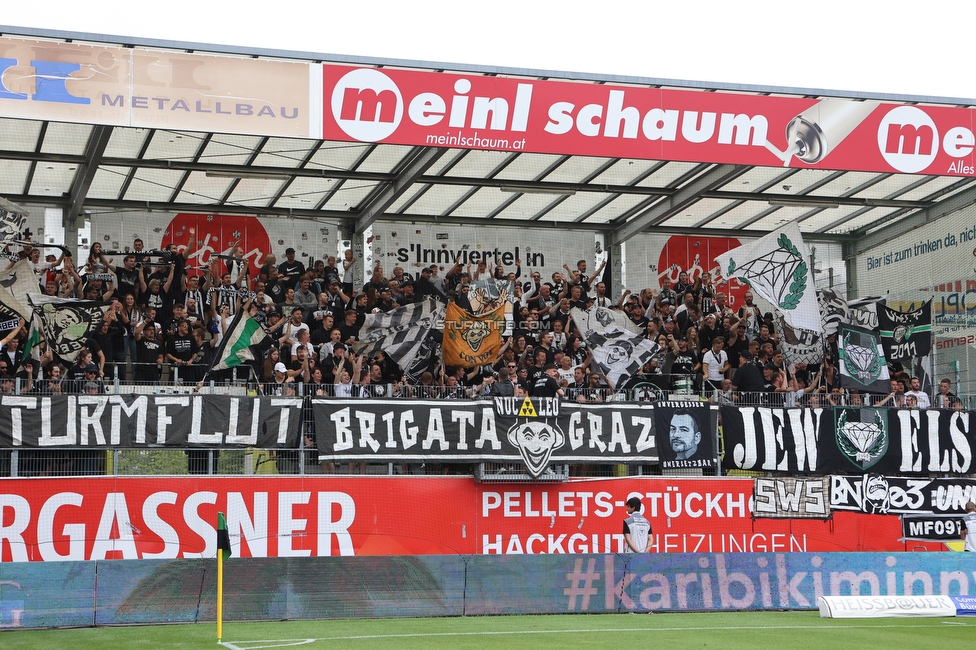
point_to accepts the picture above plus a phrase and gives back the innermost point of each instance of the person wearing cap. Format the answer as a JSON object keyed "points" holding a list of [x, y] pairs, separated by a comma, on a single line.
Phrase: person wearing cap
{"points": [[276, 387], [547, 385], [336, 363], [407, 295], [747, 378], [637, 529], [681, 363], [425, 285], [774, 381], [291, 270], [384, 299]]}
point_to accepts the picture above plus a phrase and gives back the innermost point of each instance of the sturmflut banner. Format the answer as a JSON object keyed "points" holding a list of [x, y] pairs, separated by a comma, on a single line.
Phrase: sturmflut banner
{"points": [[133, 421], [535, 431], [848, 440]]}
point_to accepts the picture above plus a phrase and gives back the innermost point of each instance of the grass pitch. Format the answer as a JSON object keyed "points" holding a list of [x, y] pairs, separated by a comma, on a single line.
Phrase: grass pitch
{"points": [[723, 631]]}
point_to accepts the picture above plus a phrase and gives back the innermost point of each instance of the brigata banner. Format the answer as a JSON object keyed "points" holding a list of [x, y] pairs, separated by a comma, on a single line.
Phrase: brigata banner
{"points": [[134, 421], [130, 518], [470, 111], [842, 440], [536, 431], [899, 495]]}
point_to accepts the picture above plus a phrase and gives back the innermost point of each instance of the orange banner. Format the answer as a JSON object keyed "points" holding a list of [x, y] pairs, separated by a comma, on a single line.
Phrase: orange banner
{"points": [[471, 340]]}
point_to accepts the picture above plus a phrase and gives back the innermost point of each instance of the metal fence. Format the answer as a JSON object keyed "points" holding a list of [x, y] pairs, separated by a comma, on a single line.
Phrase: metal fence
{"points": [[304, 460]]}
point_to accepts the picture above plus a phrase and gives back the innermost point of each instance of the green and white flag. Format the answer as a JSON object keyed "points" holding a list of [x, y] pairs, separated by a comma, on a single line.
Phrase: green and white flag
{"points": [[776, 268], [862, 360], [235, 348]]}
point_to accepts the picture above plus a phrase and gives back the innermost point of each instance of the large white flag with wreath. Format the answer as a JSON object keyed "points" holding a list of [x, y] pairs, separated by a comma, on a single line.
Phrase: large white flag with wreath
{"points": [[776, 268]]}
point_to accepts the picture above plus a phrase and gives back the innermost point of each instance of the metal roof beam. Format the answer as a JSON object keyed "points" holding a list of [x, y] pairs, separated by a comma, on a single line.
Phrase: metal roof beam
{"points": [[921, 218], [97, 142], [421, 162], [679, 200]]}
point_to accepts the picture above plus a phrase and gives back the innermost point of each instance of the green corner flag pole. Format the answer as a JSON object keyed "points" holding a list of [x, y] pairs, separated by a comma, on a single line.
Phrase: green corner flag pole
{"points": [[223, 552]]}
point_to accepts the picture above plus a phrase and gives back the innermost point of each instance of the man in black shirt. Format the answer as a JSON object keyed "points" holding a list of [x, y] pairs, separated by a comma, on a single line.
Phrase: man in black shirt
{"points": [[128, 278], [547, 385], [291, 270], [748, 378], [181, 351]]}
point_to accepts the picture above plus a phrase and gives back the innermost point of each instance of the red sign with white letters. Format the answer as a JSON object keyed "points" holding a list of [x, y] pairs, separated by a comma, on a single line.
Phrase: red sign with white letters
{"points": [[142, 518], [556, 117]]}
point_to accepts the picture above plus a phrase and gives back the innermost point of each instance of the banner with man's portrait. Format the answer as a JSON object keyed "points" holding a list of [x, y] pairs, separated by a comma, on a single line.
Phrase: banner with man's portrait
{"points": [[684, 437]]}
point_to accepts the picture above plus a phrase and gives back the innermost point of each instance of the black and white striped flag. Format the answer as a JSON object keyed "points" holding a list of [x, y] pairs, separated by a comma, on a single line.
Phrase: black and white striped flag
{"points": [[620, 355], [410, 335]]}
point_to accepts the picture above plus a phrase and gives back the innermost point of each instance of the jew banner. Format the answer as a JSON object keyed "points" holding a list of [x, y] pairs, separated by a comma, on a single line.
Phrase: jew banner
{"points": [[906, 335], [140, 421], [862, 360], [899, 495], [537, 432], [472, 340], [848, 440], [684, 435]]}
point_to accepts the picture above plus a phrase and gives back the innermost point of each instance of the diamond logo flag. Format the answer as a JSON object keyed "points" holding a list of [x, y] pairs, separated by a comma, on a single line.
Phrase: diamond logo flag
{"points": [[862, 360], [775, 267]]}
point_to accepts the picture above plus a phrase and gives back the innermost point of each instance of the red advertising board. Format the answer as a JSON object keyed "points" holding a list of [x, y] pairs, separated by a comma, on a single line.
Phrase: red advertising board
{"points": [[142, 518], [556, 117]]}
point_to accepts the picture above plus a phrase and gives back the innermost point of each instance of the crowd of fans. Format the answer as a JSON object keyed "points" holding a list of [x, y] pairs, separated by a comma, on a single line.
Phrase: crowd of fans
{"points": [[166, 321]]}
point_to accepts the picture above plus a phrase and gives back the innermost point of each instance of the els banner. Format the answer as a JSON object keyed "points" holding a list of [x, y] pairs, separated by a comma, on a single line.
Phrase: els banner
{"points": [[158, 518], [843, 440]]}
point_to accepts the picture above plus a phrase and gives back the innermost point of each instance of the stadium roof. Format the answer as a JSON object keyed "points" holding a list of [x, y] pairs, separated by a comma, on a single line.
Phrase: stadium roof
{"points": [[84, 167]]}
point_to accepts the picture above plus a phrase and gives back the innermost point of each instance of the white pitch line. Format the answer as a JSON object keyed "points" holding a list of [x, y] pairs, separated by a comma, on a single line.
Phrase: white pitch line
{"points": [[283, 643]]}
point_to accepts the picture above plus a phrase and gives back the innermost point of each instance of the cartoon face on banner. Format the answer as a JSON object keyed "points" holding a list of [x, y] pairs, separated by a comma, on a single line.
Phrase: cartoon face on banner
{"points": [[695, 256], [218, 235]]}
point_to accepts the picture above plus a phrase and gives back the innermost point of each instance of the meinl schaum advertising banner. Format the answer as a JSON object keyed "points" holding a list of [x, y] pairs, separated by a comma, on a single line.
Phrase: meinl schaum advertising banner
{"points": [[470, 111], [844, 440], [129, 518]]}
